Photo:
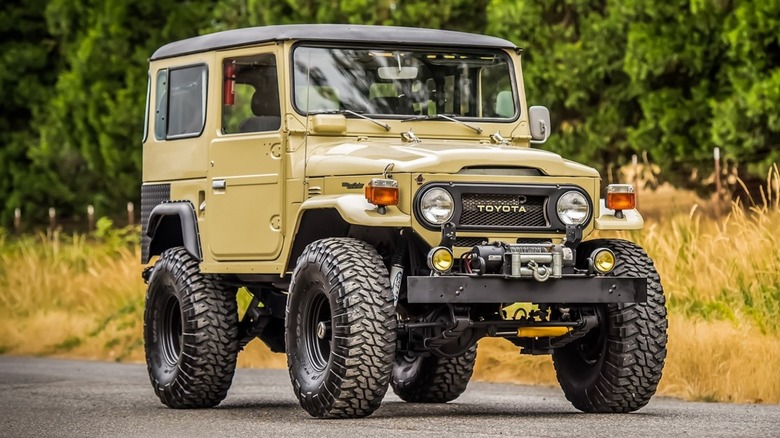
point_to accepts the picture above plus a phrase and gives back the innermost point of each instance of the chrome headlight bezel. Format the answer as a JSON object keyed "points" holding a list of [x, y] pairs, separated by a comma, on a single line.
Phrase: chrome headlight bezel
{"points": [[573, 208], [436, 197]]}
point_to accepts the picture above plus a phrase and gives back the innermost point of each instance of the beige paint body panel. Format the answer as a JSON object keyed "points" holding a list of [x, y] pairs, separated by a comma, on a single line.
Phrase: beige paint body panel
{"points": [[183, 158], [354, 209], [191, 190], [441, 156], [631, 220], [251, 201]]}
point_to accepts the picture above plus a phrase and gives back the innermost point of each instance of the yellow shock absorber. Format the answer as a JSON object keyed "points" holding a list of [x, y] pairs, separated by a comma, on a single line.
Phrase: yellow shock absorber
{"points": [[542, 332]]}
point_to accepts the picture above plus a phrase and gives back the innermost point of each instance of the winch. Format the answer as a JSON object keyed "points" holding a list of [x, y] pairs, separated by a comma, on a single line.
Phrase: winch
{"points": [[537, 261]]}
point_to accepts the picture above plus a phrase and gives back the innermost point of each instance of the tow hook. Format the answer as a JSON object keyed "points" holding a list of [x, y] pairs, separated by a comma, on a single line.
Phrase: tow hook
{"points": [[540, 273]]}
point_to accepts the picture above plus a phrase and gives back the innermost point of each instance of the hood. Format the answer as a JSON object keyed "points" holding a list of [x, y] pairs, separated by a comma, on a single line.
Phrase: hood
{"points": [[370, 158]]}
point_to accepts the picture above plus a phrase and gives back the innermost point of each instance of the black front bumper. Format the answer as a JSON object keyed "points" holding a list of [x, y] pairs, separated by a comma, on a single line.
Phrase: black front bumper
{"points": [[496, 289]]}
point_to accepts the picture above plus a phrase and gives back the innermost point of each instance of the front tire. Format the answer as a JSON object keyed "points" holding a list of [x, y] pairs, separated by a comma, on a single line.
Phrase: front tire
{"points": [[340, 329], [617, 366], [432, 379], [190, 333]]}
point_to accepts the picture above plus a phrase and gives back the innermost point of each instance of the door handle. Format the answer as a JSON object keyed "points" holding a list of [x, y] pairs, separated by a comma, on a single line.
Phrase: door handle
{"points": [[218, 184]]}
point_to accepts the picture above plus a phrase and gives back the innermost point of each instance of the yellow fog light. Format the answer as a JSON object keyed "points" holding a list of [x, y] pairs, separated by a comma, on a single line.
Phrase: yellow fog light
{"points": [[440, 259], [603, 260]]}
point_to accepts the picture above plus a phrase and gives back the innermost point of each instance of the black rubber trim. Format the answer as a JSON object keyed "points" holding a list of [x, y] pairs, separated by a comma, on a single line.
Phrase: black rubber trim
{"points": [[553, 193], [570, 290], [184, 211]]}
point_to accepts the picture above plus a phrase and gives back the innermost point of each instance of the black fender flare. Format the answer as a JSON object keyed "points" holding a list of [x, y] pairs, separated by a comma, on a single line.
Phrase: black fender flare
{"points": [[173, 224]]}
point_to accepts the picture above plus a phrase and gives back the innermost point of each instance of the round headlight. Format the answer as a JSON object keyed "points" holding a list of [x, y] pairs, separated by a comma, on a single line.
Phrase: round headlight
{"points": [[436, 206], [573, 208]]}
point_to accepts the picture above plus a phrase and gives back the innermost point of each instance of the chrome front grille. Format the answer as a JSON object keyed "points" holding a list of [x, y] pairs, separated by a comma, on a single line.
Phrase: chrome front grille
{"points": [[468, 242], [503, 211]]}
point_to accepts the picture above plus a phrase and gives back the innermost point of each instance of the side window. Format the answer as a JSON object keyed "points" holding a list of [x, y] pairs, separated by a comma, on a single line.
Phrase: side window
{"points": [[250, 100], [180, 102]]}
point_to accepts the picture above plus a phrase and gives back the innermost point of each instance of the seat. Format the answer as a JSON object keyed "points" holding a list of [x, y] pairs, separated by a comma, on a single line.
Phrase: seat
{"points": [[505, 104], [265, 107]]}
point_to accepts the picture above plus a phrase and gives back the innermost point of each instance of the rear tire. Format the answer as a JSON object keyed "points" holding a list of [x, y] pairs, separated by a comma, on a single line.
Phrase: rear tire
{"points": [[340, 329], [433, 379], [190, 333], [617, 366]]}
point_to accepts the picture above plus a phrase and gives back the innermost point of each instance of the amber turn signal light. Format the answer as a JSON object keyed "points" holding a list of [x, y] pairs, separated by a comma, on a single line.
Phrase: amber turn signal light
{"points": [[621, 197], [382, 192]]}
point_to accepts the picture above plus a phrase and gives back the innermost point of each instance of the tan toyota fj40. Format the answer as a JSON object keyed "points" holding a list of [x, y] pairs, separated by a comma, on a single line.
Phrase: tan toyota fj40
{"points": [[375, 190]]}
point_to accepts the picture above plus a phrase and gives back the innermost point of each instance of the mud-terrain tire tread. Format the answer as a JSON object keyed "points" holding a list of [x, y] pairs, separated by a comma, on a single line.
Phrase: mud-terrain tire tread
{"points": [[210, 334], [439, 379], [364, 328], [636, 342]]}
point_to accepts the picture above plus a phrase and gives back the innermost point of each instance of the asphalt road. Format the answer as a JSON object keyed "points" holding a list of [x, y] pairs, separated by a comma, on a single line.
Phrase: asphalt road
{"points": [[49, 397]]}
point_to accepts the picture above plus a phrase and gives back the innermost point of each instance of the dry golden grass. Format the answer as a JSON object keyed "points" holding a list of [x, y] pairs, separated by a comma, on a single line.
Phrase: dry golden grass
{"points": [[65, 295], [727, 270], [70, 296]]}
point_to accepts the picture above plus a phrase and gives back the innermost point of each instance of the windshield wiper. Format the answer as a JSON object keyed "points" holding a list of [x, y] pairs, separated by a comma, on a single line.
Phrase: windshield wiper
{"points": [[450, 117], [353, 113]]}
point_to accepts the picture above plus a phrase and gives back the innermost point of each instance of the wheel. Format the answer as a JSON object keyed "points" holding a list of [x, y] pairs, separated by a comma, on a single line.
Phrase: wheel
{"points": [[190, 333], [432, 379], [616, 367], [340, 329]]}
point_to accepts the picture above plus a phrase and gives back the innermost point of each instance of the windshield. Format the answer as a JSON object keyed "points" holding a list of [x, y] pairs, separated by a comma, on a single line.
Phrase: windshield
{"points": [[404, 82]]}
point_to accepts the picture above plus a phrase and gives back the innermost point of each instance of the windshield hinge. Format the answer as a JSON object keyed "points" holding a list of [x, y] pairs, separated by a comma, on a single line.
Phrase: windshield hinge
{"points": [[409, 137], [497, 138]]}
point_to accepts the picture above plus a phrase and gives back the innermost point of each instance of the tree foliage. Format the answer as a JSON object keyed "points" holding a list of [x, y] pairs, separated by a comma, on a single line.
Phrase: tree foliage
{"points": [[673, 79], [27, 74]]}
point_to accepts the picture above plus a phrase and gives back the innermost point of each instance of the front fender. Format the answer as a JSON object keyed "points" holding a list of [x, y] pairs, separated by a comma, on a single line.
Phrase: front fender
{"points": [[355, 210], [607, 220]]}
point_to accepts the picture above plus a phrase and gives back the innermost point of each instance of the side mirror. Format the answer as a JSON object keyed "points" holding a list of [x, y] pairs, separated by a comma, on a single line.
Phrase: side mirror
{"points": [[539, 120]]}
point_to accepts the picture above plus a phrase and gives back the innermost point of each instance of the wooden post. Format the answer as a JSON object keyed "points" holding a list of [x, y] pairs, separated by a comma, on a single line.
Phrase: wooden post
{"points": [[716, 156], [90, 218], [18, 220], [52, 218], [130, 214]]}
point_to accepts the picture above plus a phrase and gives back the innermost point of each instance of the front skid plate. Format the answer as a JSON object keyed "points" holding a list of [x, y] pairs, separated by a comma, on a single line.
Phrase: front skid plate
{"points": [[570, 290]]}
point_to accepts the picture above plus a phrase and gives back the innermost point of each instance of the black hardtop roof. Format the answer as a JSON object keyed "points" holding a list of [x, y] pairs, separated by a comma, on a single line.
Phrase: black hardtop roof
{"points": [[328, 32]]}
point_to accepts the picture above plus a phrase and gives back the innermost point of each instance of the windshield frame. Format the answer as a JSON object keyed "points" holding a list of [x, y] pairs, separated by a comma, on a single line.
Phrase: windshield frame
{"points": [[408, 47]]}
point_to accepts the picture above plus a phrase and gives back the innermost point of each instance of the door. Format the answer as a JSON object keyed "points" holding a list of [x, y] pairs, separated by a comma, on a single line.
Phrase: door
{"points": [[246, 183]]}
